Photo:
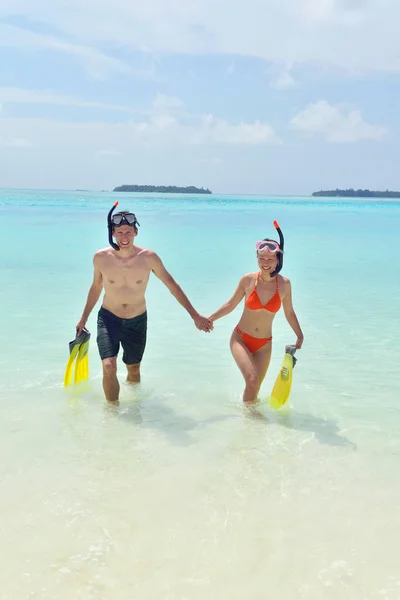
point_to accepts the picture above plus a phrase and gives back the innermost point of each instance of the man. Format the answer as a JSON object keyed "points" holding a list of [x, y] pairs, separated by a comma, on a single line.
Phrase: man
{"points": [[124, 271]]}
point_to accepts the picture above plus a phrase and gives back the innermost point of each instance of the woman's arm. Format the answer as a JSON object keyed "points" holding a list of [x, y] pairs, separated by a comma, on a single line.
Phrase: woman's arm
{"points": [[291, 315], [232, 303]]}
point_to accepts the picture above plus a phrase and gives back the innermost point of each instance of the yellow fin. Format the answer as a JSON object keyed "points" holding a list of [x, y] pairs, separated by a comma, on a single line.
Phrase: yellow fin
{"points": [[283, 384], [78, 356], [82, 363], [70, 366]]}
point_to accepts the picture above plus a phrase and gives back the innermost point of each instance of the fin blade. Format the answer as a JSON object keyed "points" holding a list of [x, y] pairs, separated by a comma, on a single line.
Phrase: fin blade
{"points": [[82, 363], [283, 384], [70, 366], [78, 348]]}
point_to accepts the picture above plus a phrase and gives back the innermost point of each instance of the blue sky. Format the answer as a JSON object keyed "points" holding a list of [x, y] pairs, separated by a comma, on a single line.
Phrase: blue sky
{"points": [[270, 97]]}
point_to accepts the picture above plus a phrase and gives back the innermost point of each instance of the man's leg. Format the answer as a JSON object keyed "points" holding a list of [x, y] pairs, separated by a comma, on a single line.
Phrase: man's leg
{"points": [[110, 380], [108, 345], [134, 343], [133, 373]]}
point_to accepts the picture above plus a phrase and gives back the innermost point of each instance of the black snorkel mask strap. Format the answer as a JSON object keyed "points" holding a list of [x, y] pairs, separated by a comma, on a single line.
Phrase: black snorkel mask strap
{"points": [[110, 226], [280, 254]]}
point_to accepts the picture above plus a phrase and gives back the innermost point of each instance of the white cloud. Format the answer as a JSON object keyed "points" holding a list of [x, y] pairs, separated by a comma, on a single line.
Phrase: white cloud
{"points": [[164, 119], [217, 131], [97, 64], [318, 10], [284, 82], [333, 33], [107, 152], [20, 142], [12, 95], [336, 126], [156, 149], [155, 132], [162, 101], [211, 161], [15, 142]]}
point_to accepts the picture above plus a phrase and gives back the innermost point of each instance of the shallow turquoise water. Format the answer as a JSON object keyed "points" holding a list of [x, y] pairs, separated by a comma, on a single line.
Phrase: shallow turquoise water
{"points": [[181, 492]]}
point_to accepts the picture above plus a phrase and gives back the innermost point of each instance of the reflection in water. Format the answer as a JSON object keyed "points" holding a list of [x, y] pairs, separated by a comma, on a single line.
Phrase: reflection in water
{"points": [[326, 431], [147, 409], [156, 414]]}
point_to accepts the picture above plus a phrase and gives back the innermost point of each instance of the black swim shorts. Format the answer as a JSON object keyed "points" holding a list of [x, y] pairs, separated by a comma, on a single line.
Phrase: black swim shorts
{"points": [[130, 333]]}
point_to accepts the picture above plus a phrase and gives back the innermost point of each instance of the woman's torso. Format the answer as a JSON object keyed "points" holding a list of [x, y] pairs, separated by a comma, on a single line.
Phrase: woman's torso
{"points": [[262, 302]]}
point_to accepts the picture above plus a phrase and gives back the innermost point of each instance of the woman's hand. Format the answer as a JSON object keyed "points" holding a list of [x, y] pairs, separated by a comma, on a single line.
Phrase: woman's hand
{"points": [[299, 342]]}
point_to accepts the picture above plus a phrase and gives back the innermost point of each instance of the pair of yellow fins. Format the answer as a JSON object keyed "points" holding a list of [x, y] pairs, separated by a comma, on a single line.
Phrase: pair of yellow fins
{"points": [[79, 358], [283, 384], [77, 368]]}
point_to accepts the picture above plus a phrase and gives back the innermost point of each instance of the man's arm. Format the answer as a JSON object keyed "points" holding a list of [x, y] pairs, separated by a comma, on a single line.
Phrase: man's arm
{"points": [[291, 315], [93, 295], [161, 272]]}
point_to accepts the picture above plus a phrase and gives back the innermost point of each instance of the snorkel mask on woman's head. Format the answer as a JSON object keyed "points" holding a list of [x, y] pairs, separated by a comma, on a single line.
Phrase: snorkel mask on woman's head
{"points": [[267, 247], [270, 246], [122, 218]]}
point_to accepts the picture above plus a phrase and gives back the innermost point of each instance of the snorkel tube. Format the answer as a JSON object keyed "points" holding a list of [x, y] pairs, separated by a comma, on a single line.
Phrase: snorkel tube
{"points": [[110, 226], [280, 254]]}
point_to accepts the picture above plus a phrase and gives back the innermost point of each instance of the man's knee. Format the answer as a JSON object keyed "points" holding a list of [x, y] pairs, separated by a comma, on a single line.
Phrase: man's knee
{"points": [[133, 372], [110, 366]]}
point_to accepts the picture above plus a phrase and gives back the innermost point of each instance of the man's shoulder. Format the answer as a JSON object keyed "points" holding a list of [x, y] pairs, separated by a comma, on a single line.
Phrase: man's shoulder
{"points": [[102, 253], [143, 251], [147, 253]]}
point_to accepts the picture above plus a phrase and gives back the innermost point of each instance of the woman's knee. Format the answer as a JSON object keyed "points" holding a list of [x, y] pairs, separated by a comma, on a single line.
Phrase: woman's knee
{"points": [[252, 380], [110, 367]]}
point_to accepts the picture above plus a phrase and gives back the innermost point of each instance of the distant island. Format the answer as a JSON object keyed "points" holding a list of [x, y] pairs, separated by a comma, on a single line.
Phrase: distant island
{"points": [[162, 189], [358, 193]]}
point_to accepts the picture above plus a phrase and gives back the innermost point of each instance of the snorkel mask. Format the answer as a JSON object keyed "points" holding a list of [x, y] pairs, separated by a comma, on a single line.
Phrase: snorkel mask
{"points": [[117, 221], [270, 246]]}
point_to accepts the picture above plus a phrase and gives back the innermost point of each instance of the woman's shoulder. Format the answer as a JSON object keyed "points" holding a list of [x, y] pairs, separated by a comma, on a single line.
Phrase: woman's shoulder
{"points": [[283, 282], [248, 278], [283, 279]]}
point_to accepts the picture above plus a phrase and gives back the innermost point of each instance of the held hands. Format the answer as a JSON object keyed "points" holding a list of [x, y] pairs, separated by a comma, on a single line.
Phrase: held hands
{"points": [[203, 324]]}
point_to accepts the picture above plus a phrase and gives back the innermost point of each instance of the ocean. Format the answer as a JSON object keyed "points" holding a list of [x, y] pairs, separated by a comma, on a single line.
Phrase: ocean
{"points": [[181, 492]]}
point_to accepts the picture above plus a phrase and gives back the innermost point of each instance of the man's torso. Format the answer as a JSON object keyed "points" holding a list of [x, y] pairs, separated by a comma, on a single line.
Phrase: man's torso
{"points": [[125, 281]]}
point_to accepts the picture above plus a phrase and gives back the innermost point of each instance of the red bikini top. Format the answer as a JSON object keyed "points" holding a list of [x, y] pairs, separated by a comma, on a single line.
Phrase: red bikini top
{"points": [[253, 302]]}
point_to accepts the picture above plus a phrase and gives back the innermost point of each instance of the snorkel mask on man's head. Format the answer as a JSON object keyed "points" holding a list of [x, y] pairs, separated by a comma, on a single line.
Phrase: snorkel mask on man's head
{"points": [[268, 246], [121, 218]]}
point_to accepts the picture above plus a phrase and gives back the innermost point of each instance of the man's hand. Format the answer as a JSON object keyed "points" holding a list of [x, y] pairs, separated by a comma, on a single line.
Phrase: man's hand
{"points": [[299, 342], [203, 324], [80, 326]]}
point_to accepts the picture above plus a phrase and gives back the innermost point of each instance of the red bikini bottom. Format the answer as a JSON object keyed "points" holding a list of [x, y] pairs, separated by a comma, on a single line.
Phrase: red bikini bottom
{"points": [[252, 343]]}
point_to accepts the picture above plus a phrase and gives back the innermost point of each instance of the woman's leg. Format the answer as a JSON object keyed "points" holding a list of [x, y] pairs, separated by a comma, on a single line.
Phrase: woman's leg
{"points": [[261, 360], [246, 364]]}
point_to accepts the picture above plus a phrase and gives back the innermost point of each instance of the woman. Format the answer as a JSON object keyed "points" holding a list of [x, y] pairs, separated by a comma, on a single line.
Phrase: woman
{"points": [[265, 292]]}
